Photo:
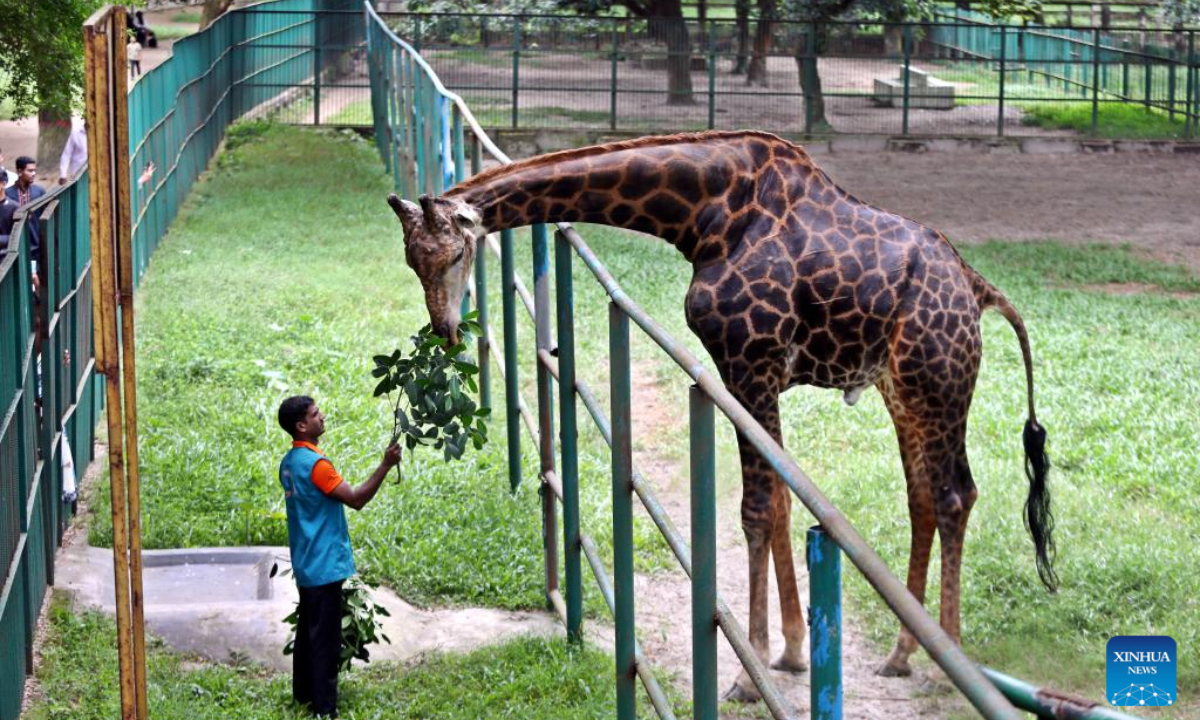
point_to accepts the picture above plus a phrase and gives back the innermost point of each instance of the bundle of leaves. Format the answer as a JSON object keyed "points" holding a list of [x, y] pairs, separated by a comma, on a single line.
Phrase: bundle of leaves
{"points": [[433, 386], [361, 625]]}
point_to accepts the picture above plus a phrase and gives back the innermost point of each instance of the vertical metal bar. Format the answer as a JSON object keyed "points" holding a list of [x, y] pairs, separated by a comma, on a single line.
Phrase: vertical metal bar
{"points": [[712, 75], [907, 49], [1003, 57], [545, 390], [485, 370], [622, 501], [1190, 119], [508, 295], [316, 79], [612, 81], [460, 174], [825, 616], [704, 556], [1171, 86], [1095, 79], [1146, 77], [516, 71], [568, 436]]}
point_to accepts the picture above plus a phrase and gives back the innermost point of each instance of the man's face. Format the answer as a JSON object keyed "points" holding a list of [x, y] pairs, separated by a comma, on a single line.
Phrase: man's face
{"points": [[28, 174], [313, 424]]}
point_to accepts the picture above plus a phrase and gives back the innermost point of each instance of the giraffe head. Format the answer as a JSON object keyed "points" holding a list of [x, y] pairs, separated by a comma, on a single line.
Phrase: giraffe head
{"points": [[440, 237]]}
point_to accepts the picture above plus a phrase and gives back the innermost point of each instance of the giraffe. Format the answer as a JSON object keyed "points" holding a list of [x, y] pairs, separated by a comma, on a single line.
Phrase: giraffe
{"points": [[795, 282]]}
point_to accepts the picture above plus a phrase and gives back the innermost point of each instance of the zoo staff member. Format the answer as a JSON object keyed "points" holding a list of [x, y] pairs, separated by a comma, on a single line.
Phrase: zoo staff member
{"points": [[320, 547]]}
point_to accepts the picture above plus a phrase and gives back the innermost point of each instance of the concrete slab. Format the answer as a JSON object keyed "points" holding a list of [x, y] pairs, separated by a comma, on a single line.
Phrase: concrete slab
{"points": [[221, 603]]}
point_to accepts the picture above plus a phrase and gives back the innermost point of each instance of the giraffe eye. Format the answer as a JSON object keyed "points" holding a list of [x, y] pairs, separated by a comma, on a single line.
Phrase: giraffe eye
{"points": [[458, 257]]}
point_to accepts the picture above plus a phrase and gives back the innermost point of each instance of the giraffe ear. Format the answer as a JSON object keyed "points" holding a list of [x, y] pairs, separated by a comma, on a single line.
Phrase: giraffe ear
{"points": [[408, 212]]}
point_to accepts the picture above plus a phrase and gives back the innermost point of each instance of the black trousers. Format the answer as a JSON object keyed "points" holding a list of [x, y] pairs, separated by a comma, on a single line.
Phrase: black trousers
{"points": [[318, 648]]}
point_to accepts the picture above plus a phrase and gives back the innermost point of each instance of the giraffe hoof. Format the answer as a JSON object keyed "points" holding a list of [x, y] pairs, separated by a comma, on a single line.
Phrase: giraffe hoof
{"points": [[792, 665], [890, 669], [739, 694]]}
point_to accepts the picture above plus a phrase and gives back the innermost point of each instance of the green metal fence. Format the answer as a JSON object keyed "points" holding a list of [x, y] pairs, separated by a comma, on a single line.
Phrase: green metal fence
{"points": [[944, 77], [251, 62], [425, 133]]}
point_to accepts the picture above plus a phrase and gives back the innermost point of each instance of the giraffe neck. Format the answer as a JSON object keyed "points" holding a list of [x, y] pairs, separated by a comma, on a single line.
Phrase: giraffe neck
{"points": [[698, 192]]}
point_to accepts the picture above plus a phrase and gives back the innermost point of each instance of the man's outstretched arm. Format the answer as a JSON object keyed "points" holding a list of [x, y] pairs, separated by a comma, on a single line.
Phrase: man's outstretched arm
{"points": [[357, 497]]}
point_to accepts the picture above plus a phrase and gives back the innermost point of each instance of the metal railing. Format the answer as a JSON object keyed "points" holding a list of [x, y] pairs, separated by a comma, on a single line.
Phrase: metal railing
{"points": [[424, 134], [49, 404], [177, 116], [614, 74]]}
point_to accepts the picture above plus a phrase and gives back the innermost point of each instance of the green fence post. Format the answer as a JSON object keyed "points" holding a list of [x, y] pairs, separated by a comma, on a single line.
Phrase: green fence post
{"points": [[545, 391], [516, 70], [622, 502], [1003, 58], [1095, 79], [316, 81], [612, 83], [712, 75], [907, 49], [1148, 69], [508, 295], [568, 436], [1124, 75], [460, 172], [1171, 86], [485, 369], [417, 33], [704, 556], [824, 560], [1190, 119]]}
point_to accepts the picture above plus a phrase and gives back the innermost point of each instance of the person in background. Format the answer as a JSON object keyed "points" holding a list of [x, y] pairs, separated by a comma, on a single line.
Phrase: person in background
{"points": [[74, 153], [134, 52], [315, 497], [23, 192], [7, 208]]}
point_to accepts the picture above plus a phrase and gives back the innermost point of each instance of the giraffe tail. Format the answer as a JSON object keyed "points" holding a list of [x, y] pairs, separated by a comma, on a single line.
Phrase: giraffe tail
{"points": [[1039, 521]]}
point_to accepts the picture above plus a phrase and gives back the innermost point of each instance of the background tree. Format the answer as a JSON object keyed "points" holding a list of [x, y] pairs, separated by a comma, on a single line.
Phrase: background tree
{"points": [[823, 12], [41, 55], [213, 9], [666, 25]]}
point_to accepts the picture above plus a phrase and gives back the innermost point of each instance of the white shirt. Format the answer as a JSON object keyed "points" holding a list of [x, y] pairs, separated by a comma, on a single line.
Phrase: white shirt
{"points": [[75, 153], [134, 51]]}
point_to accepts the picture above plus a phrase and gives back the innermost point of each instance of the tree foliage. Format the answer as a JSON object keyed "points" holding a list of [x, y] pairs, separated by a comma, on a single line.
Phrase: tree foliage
{"points": [[41, 53]]}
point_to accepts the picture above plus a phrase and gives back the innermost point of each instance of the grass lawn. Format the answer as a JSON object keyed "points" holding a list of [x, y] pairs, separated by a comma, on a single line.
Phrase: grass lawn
{"points": [[525, 678], [259, 292]]}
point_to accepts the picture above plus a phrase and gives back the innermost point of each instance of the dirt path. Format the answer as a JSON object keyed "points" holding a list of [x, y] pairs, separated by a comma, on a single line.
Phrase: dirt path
{"points": [[664, 599]]}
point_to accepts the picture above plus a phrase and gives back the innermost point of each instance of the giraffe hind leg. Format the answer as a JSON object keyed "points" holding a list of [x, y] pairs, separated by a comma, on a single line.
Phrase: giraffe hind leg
{"points": [[792, 659]]}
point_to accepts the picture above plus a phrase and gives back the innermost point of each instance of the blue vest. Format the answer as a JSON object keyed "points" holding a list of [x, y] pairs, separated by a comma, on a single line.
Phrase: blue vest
{"points": [[317, 533]]}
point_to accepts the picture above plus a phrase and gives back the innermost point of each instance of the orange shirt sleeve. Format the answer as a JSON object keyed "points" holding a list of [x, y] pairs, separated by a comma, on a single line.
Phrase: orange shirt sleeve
{"points": [[325, 477]]}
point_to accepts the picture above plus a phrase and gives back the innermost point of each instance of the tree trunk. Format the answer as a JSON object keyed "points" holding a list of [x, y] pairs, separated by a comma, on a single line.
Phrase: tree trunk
{"points": [[893, 40], [54, 126], [806, 65], [679, 62], [213, 9], [742, 11], [757, 73]]}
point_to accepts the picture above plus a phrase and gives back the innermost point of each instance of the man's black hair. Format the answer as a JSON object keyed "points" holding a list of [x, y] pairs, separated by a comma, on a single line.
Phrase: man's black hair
{"points": [[292, 411], [23, 161]]}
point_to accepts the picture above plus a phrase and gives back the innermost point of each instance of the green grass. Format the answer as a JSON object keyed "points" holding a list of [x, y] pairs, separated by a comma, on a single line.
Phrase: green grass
{"points": [[1130, 122], [186, 16], [355, 113], [264, 289], [171, 32], [525, 678]]}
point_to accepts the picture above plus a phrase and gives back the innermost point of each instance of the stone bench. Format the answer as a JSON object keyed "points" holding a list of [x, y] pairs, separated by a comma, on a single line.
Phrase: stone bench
{"points": [[924, 91]]}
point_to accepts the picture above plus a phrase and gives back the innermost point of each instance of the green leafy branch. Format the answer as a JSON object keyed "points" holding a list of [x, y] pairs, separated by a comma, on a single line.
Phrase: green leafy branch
{"points": [[361, 624], [434, 386]]}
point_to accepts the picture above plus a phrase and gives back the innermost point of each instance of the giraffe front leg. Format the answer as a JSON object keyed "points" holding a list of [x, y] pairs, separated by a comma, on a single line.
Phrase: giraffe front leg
{"points": [[792, 659], [758, 516]]}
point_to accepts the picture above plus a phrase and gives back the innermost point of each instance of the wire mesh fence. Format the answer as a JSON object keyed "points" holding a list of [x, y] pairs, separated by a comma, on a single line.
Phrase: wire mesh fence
{"points": [[957, 75]]}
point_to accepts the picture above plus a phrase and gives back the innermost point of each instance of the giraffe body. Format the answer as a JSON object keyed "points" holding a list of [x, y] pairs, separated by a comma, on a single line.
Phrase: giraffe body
{"points": [[795, 282]]}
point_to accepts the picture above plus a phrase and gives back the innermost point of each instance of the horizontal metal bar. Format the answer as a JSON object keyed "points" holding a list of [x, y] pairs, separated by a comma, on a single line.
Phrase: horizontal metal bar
{"points": [[1048, 703]]}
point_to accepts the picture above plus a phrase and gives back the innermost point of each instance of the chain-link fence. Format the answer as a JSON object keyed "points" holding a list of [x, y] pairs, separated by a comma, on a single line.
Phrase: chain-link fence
{"points": [[955, 76]]}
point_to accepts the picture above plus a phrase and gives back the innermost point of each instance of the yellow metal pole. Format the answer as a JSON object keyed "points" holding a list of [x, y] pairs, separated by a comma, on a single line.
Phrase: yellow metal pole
{"points": [[98, 32], [125, 276]]}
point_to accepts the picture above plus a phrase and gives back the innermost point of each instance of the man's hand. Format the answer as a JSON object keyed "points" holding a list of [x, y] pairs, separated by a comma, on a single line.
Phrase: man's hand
{"points": [[62, 180], [391, 456]]}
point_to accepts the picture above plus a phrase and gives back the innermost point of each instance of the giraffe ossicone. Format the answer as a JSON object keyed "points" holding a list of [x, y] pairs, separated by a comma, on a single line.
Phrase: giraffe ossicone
{"points": [[795, 282]]}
